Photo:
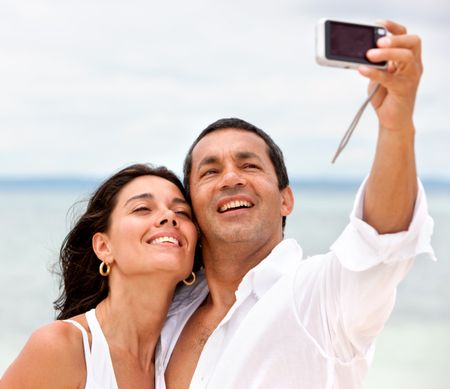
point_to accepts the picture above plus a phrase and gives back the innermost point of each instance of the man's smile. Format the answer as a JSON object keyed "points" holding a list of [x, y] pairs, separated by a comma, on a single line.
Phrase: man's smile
{"points": [[235, 204]]}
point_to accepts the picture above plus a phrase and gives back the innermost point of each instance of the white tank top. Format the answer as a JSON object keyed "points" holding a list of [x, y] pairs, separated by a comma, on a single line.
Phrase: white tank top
{"points": [[99, 368]]}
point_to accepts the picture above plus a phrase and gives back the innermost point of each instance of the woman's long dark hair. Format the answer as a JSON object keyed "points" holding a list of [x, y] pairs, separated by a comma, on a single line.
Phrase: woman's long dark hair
{"points": [[81, 285]]}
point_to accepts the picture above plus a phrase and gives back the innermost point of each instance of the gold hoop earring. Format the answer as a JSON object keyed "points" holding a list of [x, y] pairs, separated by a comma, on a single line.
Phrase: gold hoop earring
{"points": [[104, 272], [189, 282]]}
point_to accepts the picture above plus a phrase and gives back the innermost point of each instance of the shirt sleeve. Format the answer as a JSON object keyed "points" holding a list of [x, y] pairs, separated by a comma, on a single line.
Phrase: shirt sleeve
{"points": [[368, 269], [360, 247]]}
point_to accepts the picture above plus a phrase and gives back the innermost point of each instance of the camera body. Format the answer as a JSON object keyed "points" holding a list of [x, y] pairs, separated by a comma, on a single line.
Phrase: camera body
{"points": [[345, 44]]}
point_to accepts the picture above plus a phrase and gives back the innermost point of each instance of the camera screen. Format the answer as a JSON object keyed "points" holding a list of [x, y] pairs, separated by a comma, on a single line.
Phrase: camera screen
{"points": [[350, 42]]}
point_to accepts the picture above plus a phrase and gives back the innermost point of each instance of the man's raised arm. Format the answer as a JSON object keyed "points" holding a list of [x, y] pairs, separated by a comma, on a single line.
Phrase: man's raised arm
{"points": [[391, 188]]}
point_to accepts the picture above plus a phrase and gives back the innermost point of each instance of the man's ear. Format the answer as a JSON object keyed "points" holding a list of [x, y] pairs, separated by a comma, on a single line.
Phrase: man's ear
{"points": [[287, 201], [101, 247]]}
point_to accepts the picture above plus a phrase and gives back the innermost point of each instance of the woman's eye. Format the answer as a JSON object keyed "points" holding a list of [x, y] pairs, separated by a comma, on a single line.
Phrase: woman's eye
{"points": [[142, 209], [184, 214]]}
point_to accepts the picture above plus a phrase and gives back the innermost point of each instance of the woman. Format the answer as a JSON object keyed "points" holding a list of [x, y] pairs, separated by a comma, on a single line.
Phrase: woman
{"points": [[120, 264]]}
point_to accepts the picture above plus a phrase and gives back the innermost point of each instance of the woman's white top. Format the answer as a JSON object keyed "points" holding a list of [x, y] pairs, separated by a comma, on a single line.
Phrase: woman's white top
{"points": [[99, 367]]}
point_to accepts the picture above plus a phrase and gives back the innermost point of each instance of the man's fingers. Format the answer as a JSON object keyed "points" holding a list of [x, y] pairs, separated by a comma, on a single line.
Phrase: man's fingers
{"points": [[378, 76], [392, 27], [411, 42], [375, 75], [399, 55]]}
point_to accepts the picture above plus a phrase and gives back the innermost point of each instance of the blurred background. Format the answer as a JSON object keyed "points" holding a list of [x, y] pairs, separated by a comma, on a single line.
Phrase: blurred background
{"points": [[88, 87]]}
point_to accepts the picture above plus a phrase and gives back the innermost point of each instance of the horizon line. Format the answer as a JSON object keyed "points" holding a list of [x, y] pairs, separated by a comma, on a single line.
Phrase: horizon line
{"points": [[77, 181]]}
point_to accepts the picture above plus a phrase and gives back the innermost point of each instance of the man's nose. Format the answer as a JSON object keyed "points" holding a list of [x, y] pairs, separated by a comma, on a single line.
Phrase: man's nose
{"points": [[232, 178]]}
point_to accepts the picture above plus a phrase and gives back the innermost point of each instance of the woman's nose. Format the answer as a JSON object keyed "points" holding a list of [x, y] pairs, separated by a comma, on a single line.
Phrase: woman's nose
{"points": [[168, 217], [164, 221]]}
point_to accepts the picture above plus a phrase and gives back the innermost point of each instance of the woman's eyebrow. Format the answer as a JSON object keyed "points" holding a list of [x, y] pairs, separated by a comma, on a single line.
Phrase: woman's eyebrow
{"points": [[139, 197], [149, 196], [179, 200]]}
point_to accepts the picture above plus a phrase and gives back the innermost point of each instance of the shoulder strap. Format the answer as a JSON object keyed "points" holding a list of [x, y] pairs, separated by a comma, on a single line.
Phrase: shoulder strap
{"points": [[87, 351], [104, 370]]}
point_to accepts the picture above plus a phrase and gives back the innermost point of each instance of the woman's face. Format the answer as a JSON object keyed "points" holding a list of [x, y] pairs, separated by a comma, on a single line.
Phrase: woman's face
{"points": [[151, 230]]}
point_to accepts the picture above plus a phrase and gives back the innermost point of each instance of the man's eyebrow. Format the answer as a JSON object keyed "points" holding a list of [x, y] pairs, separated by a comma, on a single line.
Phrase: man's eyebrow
{"points": [[209, 160], [149, 196], [239, 155], [247, 155]]}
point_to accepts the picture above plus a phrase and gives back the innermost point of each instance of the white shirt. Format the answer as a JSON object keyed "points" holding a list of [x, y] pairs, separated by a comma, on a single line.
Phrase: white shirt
{"points": [[304, 324]]}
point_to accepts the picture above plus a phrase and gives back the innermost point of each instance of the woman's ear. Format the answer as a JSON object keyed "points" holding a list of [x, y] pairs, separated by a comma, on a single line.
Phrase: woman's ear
{"points": [[101, 247], [287, 201]]}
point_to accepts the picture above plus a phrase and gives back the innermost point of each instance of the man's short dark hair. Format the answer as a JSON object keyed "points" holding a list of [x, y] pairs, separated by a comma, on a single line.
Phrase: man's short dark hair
{"points": [[274, 152]]}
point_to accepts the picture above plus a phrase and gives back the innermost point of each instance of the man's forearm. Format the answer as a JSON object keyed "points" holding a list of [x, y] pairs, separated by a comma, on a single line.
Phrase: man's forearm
{"points": [[392, 184]]}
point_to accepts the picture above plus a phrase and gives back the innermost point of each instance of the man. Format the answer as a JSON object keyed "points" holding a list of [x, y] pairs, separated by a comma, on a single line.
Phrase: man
{"points": [[266, 319]]}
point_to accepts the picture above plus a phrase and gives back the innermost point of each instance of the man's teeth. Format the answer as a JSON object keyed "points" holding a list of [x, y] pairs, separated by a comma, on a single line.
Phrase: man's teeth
{"points": [[235, 204], [165, 239]]}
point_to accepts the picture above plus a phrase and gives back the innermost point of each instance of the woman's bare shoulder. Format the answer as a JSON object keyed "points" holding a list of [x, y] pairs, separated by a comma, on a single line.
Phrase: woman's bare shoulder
{"points": [[52, 357]]}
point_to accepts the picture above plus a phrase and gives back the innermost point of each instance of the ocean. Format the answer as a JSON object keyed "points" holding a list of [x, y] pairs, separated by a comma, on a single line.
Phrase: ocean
{"points": [[413, 350]]}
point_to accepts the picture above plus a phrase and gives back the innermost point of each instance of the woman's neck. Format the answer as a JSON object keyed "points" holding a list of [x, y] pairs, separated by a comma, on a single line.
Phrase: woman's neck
{"points": [[133, 314]]}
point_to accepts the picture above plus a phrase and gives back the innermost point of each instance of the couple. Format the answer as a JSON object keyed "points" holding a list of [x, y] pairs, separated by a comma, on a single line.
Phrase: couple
{"points": [[256, 316]]}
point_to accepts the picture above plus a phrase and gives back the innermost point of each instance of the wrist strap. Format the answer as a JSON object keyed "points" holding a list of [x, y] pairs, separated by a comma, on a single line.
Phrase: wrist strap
{"points": [[353, 124]]}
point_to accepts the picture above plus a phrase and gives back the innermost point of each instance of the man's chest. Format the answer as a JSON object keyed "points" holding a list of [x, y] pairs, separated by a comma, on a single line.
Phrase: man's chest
{"points": [[189, 346]]}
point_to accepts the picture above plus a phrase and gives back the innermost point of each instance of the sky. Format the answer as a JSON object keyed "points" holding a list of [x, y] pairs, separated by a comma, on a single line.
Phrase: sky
{"points": [[88, 87]]}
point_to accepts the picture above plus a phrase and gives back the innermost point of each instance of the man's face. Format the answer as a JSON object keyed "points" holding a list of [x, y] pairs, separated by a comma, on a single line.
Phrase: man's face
{"points": [[234, 189]]}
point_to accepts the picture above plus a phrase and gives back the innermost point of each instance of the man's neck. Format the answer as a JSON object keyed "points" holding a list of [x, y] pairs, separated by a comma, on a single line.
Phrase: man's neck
{"points": [[226, 264]]}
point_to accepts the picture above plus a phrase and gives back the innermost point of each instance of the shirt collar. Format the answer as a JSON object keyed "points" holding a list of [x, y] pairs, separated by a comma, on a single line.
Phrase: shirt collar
{"points": [[258, 280], [186, 296], [280, 261]]}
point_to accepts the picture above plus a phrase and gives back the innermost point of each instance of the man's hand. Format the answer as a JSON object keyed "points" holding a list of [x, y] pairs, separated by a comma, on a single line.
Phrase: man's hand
{"points": [[394, 102]]}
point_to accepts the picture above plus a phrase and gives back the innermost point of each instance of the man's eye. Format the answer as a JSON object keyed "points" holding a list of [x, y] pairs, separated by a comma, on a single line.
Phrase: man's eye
{"points": [[250, 166], [209, 172]]}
